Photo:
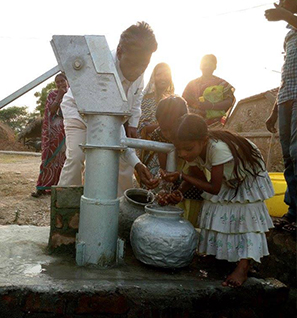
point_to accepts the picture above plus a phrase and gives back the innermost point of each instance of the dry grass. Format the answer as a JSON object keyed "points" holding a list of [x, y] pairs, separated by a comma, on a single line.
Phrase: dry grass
{"points": [[18, 176]]}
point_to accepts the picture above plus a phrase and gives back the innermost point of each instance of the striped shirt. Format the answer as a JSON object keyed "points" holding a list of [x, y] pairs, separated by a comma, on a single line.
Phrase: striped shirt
{"points": [[288, 87]]}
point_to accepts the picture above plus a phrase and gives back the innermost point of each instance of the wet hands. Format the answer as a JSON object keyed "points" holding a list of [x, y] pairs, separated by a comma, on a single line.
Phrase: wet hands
{"points": [[166, 198], [146, 177], [169, 176]]}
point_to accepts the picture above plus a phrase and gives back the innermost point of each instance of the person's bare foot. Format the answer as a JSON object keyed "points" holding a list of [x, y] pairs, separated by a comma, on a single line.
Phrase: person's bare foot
{"points": [[239, 275]]}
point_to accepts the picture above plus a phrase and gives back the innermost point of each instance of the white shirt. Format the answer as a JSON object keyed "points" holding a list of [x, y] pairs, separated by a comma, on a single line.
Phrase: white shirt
{"points": [[217, 153], [69, 107], [133, 92]]}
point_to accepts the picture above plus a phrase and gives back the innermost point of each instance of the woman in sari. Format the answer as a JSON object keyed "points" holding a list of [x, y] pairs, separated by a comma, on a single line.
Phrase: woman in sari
{"points": [[209, 96], [53, 139], [159, 86]]}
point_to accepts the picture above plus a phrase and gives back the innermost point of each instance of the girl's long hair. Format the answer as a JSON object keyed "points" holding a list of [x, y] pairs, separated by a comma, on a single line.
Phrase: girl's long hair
{"points": [[246, 157]]}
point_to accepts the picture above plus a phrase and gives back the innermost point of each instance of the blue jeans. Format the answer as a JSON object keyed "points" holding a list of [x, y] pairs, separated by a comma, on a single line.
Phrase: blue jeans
{"points": [[287, 113]]}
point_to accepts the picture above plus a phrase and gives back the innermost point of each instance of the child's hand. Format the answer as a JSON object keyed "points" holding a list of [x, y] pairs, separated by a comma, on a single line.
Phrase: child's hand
{"points": [[165, 198], [175, 197], [162, 198], [169, 176]]}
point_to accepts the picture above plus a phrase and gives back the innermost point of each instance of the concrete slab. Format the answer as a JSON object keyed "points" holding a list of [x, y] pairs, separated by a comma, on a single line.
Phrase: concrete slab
{"points": [[34, 282]]}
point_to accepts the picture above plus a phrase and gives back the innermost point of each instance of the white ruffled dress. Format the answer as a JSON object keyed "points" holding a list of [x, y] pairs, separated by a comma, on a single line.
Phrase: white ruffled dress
{"points": [[233, 225]]}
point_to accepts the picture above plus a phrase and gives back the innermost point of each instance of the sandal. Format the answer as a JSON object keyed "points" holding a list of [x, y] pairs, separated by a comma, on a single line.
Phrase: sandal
{"points": [[38, 193], [291, 227], [281, 222]]}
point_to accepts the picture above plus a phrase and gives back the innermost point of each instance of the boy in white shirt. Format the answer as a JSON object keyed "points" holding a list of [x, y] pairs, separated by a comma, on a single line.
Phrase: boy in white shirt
{"points": [[132, 57]]}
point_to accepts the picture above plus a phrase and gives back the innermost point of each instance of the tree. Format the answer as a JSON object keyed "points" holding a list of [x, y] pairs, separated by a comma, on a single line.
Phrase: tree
{"points": [[42, 96], [17, 117]]}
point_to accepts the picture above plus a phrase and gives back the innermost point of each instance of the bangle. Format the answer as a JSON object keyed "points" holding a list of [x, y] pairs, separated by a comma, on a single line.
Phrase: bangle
{"points": [[180, 178]]}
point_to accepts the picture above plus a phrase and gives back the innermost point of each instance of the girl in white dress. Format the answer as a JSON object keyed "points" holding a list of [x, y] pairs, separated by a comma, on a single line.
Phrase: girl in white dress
{"points": [[234, 217]]}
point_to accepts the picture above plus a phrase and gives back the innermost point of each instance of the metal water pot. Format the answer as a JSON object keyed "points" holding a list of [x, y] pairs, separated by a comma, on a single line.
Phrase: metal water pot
{"points": [[132, 205], [163, 238]]}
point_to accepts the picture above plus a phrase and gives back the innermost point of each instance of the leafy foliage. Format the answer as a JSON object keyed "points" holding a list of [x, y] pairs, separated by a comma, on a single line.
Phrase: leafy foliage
{"points": [[42, 96], [17, 117]]}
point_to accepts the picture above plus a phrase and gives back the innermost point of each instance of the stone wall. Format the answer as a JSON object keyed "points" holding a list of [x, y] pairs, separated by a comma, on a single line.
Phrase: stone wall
{"points": [[248, 120]]}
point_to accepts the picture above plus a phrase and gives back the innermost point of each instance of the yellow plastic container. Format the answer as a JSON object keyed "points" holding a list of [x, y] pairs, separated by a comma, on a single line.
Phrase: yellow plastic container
{"points": [[276, 206]]}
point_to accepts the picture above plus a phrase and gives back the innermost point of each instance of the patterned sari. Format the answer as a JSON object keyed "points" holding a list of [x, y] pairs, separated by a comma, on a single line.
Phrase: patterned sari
{"points": [[53, 146]]}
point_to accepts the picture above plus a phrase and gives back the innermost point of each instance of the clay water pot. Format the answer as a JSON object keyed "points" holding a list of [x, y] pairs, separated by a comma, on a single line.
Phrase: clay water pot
{"points": [[132, 205], [163, 238]]}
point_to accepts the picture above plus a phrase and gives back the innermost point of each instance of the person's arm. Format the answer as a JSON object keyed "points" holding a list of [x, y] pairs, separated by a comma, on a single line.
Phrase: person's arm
{"points": [[271, 120], [215, 183], [132, 124], [143, 172], [280, 13], [57, 102], [150, 128], [223, 105], [185, 185], [227, 102], [145, 176], [162, 159], [213, 186]]}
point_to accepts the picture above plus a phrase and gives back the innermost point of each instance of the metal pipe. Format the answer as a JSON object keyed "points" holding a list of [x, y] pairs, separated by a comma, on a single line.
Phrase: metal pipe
{"points": [[147, 144], [95, 84], [98, 223], [154, 146], [29, 86], [171, 162]]}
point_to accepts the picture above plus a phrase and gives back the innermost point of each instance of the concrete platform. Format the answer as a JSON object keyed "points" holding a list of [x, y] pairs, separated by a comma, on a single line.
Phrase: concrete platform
{"points": [[36, 284]]}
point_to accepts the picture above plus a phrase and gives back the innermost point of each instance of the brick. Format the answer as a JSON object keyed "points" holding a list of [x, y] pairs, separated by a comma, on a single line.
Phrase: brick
{"points": [[58, 239], [112, 304], [32, 303], [68, 197], [42, 303], [74, 221], [9, 300], [59, 221]]}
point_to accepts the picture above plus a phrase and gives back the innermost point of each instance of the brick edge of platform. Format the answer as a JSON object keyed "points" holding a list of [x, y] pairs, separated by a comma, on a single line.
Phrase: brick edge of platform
{"points": [[261, 298]]}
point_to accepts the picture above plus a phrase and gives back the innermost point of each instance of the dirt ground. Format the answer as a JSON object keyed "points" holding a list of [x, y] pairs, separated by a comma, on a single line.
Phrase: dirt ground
{"points": [[18, 176]]}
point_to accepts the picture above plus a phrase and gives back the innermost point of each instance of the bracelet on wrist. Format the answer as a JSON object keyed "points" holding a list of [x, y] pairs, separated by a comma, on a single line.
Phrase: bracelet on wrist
{"points": [[180, 178]]}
